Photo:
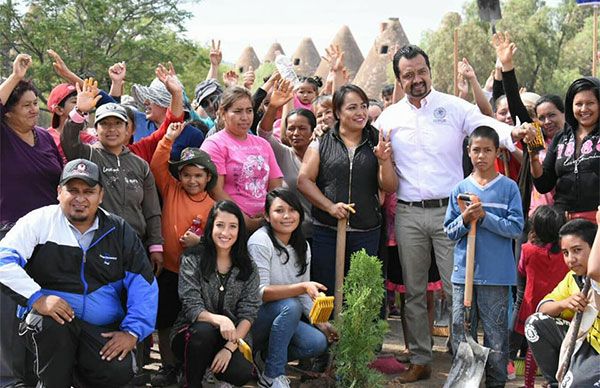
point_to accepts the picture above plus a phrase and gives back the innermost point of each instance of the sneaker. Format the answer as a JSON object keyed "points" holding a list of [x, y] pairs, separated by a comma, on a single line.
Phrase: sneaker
{"points": [[167, 375], [278, 382], [510, 370]]}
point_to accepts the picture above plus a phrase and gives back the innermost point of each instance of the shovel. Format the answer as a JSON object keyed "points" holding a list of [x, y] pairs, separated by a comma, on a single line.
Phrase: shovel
{"points": [[489, 11], [469, 362], [340, 261]]}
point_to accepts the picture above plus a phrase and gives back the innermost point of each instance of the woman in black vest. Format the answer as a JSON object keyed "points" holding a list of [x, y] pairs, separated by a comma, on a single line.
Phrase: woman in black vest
{"points": [[348, 165]]}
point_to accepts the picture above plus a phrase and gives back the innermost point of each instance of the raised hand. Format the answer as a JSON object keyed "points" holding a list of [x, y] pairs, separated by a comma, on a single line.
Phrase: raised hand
{"points": [[466, 70], [167, 76], [335, 57], [59, 66], [248, 78], [283, 92], [174, 130], [383, 149], [463, 86], [215, 54], [87, 95], [230, 78], [271, 81], [505, 49], [21, 64], [117, 72]]}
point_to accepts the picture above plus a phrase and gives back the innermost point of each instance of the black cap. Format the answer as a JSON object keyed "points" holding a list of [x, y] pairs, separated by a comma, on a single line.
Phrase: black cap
{"points": [[81, 169]]}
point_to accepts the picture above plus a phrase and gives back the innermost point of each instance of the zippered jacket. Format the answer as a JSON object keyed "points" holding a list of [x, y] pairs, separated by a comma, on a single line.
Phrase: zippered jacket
{"points": [[109, 282], [350, 181], [574, 175], [129, 186]]}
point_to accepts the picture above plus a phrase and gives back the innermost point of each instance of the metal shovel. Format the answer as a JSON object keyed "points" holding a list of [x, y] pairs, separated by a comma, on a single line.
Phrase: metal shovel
{"points": [[469, 362]]}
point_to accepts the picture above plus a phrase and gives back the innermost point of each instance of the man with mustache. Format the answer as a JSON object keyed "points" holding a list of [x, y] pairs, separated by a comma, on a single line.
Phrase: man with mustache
{"points": [[427, 130]]}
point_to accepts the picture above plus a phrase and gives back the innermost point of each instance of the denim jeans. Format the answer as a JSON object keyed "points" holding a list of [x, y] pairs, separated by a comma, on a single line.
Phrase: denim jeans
{"points": [[279, 329], [491, 303], [322, 266]]}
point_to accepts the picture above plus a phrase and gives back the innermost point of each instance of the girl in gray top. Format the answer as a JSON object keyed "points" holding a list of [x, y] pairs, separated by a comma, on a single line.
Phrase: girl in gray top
{"points": [[218, 288], [282, 256]]}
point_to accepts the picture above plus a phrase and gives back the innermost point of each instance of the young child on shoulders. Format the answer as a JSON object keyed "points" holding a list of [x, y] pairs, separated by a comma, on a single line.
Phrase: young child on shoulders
{"points": [[546, 329], [186, 205], [499, 217]]}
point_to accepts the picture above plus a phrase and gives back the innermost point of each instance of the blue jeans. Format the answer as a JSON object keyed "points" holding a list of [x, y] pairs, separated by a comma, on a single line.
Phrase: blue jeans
{"points": [[322, 265], [279, 329], [491, 304]]}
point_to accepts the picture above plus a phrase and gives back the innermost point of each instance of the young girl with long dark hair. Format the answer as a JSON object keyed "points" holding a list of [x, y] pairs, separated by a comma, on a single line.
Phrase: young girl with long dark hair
{"points": [[218, 288], [282, 256]]}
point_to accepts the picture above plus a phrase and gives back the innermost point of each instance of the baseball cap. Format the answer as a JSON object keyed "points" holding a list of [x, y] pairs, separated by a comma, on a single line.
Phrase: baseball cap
{"points": [[57, 95], [81, 169], [110, 110]]}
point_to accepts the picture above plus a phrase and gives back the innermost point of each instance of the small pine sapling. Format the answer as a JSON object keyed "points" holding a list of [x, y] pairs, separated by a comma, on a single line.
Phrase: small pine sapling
{"points": [[361, 330]]}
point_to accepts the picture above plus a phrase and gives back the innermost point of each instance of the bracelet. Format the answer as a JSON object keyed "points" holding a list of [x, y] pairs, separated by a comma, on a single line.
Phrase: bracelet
{"points": [[230, 351], [79, 112]]}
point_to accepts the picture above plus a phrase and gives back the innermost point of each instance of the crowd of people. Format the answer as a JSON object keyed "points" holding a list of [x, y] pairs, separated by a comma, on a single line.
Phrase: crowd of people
{"points": [[212, 222]]}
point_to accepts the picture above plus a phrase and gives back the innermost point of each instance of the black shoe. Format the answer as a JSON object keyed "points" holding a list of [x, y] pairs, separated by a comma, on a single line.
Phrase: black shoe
{"points": [[167, 375], [141, 378]]}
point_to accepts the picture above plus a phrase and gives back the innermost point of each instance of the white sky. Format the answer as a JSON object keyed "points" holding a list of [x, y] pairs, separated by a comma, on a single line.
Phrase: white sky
{"points": [[239, 23]]}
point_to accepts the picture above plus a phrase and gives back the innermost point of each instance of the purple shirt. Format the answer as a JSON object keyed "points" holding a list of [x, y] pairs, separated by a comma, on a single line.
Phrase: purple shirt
{"points": [[28, 175]]}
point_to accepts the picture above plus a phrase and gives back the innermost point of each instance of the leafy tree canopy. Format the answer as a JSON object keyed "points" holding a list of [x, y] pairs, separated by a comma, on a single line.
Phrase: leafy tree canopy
{"points": [[91, 35], [554, 44]]}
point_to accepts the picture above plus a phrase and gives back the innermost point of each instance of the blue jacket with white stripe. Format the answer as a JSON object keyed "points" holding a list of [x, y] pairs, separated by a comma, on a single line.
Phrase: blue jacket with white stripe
{"points": [[503, 222], [110, 282]]}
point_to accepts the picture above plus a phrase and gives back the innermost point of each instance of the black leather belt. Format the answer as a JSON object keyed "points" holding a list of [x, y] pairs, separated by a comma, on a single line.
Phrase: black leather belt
{"points": [[427, 204]]}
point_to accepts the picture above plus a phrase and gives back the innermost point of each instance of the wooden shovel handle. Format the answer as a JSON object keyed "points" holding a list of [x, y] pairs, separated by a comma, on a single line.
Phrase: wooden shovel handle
{"points": [[470, 262], [340, 259]]}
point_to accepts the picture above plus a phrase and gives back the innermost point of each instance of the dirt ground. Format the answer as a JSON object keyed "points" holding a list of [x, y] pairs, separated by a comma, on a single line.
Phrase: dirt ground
{"points": [[394, 344]]}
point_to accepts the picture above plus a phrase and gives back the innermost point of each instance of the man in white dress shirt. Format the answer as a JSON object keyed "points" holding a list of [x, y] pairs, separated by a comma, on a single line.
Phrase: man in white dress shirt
{"points": [[427, 132]]}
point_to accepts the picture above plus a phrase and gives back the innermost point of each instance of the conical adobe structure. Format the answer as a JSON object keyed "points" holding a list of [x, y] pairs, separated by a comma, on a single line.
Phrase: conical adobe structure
{"points": [[372, 75], [306, 58], [271, 53], [247, 59], [353, 57]]}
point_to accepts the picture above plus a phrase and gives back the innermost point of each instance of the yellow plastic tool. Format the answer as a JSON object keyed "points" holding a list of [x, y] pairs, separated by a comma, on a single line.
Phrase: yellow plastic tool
{"points": [[322, 309], [245, 350]]}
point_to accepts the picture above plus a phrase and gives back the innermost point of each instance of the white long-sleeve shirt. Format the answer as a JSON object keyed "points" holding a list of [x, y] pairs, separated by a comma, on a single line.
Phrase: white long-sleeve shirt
{"points": [[427, 142]]}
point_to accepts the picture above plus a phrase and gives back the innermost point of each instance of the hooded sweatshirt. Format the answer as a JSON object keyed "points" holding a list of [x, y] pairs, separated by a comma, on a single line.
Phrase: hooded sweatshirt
{"points": [[129, 187]]}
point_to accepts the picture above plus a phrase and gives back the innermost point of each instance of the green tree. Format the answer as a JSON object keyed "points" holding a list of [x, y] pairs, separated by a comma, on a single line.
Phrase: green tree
{"points": [[554, 44], [91, 35], [361, 330]]}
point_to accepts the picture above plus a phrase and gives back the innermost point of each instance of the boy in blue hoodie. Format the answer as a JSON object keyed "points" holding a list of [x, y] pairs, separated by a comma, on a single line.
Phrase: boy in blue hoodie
{"points": [[499, 216]]}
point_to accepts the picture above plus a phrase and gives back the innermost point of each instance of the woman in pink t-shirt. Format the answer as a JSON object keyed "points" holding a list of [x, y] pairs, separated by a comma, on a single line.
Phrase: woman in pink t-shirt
{"points": [[245, 163]]}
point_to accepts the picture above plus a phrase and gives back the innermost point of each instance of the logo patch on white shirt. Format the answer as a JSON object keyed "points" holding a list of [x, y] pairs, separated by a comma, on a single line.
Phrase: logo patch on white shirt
{"points": [[439, 115]]}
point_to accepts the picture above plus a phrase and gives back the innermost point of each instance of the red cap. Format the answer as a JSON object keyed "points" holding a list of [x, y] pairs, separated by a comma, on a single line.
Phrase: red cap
{"points": [[58, 94]]}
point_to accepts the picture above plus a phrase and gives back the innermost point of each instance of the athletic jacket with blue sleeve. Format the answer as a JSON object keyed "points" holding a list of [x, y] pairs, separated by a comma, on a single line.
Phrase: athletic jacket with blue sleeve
{"points": [[110, 282]]}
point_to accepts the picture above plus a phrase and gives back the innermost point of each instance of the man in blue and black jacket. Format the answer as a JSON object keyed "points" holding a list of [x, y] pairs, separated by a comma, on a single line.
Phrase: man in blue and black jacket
{"points": [[85, 283]]}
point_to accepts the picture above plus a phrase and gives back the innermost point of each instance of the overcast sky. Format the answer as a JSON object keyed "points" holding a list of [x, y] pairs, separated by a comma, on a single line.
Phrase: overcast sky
{"points": [[239, 23]]}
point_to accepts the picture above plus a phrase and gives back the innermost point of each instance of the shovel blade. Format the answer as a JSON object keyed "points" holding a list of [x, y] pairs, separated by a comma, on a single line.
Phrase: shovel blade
{"points": [[468, 365]]}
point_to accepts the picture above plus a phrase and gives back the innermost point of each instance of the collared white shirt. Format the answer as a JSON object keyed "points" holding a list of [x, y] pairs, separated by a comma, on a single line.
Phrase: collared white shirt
{"points": [[427, 142]]}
